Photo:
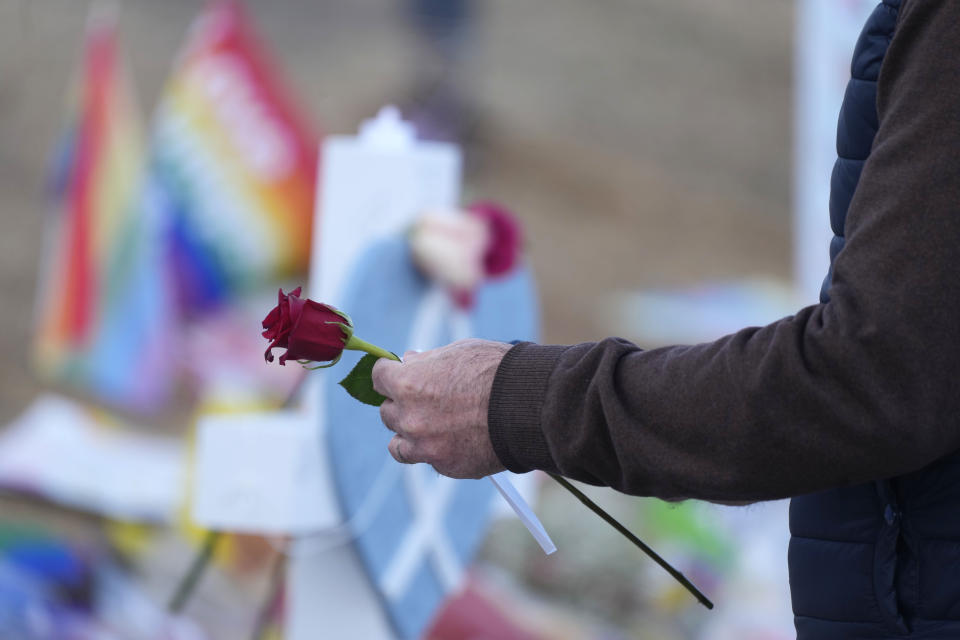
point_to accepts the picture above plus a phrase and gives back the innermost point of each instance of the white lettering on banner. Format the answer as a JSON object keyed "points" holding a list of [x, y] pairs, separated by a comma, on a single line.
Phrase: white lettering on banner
{"points": [[260, 137], [219, 214]]}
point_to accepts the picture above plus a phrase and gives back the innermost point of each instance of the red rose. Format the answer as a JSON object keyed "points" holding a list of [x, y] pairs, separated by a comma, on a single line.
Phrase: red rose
{"points": [[308, 330], [505, 238]]}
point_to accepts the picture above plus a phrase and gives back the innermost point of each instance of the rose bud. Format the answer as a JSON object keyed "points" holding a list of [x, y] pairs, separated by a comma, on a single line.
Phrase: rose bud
{"points": [[308, 330]]}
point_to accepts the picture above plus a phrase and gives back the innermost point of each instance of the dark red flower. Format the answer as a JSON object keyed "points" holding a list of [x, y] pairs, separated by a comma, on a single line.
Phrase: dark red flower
{"points": [[308, 330], [506, 238]]}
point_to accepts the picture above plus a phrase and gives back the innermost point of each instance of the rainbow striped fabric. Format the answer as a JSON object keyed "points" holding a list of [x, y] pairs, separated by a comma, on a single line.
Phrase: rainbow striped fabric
{"points": [[141, 242], [104, 320], [232, 163]]}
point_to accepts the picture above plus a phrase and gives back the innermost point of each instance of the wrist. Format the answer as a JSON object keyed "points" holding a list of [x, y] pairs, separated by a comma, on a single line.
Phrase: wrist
{"points": [[516, 401], [493, 355]]}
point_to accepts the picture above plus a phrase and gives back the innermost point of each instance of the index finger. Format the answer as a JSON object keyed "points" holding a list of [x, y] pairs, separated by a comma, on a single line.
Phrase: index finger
{"points": [[384, 376]]}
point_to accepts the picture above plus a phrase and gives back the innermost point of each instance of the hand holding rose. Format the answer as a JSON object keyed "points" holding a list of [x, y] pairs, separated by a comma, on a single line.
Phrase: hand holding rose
{"points": [[437, 406]]}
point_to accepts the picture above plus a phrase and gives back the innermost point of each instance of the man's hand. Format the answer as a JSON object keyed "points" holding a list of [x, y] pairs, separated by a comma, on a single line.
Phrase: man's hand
{"points": [[437, 405]]}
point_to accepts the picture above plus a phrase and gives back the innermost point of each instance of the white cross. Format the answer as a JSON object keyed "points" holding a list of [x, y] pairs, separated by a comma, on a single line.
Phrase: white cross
{"points": [[428, 499]]}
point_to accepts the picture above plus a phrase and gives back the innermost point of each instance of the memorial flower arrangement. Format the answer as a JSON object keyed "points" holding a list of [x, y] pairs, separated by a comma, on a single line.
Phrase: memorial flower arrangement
{"points": [[461, 251]]}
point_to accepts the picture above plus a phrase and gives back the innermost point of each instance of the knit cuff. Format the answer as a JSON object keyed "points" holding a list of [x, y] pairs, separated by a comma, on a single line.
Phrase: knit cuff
{"points": [[516, 402]]}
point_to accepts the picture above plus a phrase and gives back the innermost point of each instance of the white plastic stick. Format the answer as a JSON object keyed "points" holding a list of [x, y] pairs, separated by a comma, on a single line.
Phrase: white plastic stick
{"points": [[523, 511]]}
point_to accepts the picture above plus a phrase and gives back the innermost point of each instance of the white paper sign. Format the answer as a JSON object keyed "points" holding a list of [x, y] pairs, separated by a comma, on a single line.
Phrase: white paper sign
{"points": [[60, 450], [373, 185], [260, 473]]}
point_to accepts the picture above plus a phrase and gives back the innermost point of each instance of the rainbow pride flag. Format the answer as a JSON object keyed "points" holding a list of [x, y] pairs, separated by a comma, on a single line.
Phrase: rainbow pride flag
{"points": [[232, 164], [104, 320]]}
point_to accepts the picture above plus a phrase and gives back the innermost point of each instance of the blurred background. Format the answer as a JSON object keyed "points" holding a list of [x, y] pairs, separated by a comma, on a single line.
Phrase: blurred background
{"points": [[648, 150]]}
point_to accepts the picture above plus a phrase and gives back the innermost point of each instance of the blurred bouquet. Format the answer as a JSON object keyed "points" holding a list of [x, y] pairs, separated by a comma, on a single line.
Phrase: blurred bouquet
{"points": [[459, 250]]}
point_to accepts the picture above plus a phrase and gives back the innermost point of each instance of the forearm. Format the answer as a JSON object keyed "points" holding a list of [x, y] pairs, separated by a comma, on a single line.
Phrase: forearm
{"points": [[765, 413], [862, 387]]}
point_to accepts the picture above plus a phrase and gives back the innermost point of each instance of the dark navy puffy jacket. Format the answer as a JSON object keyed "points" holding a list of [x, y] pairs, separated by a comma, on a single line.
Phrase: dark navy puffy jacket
{"points": [[880, 560]]}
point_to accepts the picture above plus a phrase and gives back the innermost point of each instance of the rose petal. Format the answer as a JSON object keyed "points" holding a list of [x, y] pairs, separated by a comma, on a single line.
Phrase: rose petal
{"points": [[308, 330], [271, 318]]}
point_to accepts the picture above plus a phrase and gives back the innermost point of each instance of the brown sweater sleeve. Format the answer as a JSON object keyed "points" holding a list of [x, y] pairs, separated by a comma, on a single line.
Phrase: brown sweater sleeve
{"points": [[862, 387]]}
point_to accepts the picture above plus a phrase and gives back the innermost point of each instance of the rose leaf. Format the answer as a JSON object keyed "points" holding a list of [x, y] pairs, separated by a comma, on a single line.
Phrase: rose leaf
{"points": [[359, 382]]}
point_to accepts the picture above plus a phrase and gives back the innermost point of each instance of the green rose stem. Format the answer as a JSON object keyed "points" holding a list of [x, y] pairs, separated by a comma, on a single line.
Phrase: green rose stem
{"points": [[356, 344], [197, 568], [590, 504]]}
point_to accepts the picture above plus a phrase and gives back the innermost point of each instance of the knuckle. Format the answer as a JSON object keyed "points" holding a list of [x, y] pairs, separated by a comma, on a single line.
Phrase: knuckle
{"points": [[408, 386], [392, 448], [411, 452], [389, 415], [408, 425]]}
